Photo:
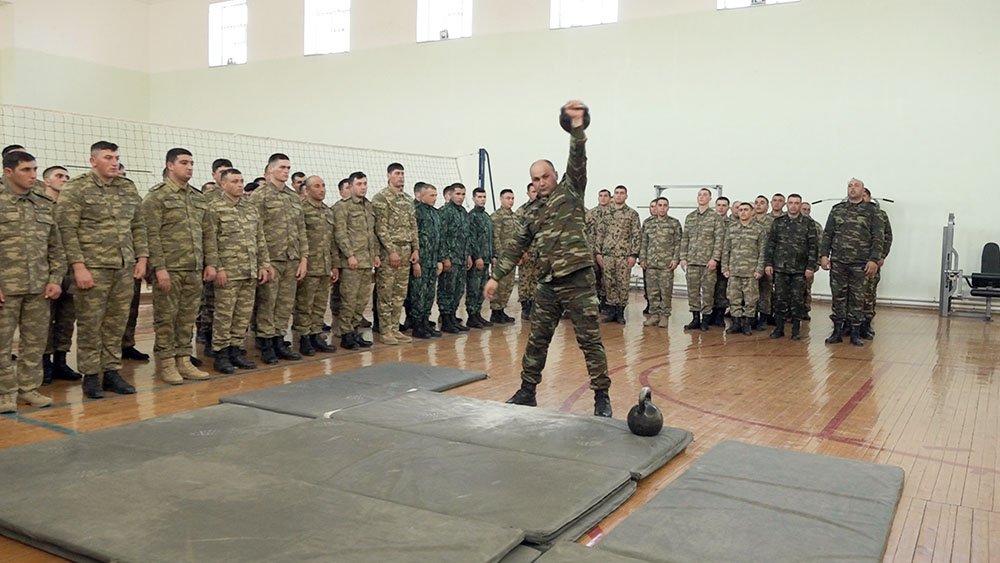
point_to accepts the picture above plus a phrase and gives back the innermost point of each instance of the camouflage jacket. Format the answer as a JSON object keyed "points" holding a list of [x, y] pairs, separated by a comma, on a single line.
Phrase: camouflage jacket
{"points": [[504, 229], [280, 212], [743, 254], [323, 254], [454, 233], [100, 223], [792, 246], [703, 237], [887, 233], [395, 222], [661, 242], [854, 233], [178, 228], [239, 236], [431, 236], [618, 232], [595, 219], [555, 225], [519, 214], [818, 227], [354, 231], [480, 235], [766, 219], [30, 247]]}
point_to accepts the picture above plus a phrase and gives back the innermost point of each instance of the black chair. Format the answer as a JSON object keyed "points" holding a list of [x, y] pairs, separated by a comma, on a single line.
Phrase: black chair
{"points": [[987, 283]]}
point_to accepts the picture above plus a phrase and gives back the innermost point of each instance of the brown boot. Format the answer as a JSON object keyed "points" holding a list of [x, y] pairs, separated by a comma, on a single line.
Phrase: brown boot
{"points": [[167, 371], [35, 399], [187, 370], [8, 402]]}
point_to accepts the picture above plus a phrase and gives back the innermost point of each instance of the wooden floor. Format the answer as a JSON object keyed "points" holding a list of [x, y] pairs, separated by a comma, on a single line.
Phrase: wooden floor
{"points": [[925, 396]]}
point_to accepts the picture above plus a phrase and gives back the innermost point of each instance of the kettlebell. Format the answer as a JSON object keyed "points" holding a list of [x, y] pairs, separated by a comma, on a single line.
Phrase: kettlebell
{"points": [[566, 122], [645, 419]]}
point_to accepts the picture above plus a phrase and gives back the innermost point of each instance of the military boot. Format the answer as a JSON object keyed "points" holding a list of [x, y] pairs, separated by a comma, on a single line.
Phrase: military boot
{"points": [[525, 395], [238, 357], [473, 322], [401, 338], [735, 326], [432, 327], [458, 324], [856, 336], [796, 328], [282, 351], [779, 328], [347, 341], [319, 344], [189, 371], [837, 336], [496, 317], [114, 382], [664, 321], [267, 355], [653, 320], [866, 330], [482, 320], [421, 329], [60, 370], [166, 370], [362, 342], [92, 387], [695, 323], [35, 399], [761, 322], [306, 346], [746, 323], [223, 362], [46, 369], [602, 403], [610, 314], [8, 402]]}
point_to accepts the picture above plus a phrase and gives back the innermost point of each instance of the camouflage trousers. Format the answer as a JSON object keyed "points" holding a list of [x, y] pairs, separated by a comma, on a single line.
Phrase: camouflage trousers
{"points": [[616, 278], [766, 286], [721, 298], [335, 306], [63, 321], [701, 289], [847, 284], [809, 292], [789, 295], [233, 307], [101, 314], [451, 286], [276, 299], [355, 289], [310, 305], [128, 339], [422, 292], [390, 284], [174, 312], [574, 293], [28, 314], [504, 288], [871, 291], [527, 279], [475, 281], [599, 276], [206, 313], [660, 289], [742, 293]]}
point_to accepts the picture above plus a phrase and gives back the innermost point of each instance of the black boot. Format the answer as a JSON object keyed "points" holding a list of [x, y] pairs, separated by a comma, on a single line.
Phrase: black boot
{"points": [[130, 353], [237, 357], [747, 324], [347, 341], [507, 319], [856, 336], [60, 370], [525, 310], [267, 355], [602, 403], [706, 322], [796, 327], [306, 346], [432, 328], [421, 329], [719, 316], [458, 324], [319, 344], [473, 322], [761, 322], [283, 351], [482, 320], [779, 328], [610, 314], [525, 396], [620, 314], [448, 324], [407, 324], [735, 325], [92, 387], [113, 382], [223, 362], [361, 340], [695, 321], [866, 331], [496, 317], [46, 369], [837, 336]]}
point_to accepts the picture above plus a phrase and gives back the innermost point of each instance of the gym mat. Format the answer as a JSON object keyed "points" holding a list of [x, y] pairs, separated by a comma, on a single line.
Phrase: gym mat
{"points": [[566, 552], [522, 554], [589, 439], [741, 502]]}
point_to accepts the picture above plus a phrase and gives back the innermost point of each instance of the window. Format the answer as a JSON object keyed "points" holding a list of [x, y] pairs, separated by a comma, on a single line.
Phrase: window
{"points": [[227, 33], [443, 19], [327, 26], [727, 4], [574, 13]]}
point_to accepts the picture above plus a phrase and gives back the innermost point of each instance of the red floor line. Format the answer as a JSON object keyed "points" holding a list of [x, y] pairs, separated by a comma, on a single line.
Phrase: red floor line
{"points": [[848, 408]]}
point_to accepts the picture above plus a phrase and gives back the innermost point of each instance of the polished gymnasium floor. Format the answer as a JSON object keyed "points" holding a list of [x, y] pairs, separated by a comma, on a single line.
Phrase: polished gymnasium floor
{"points": [[924, 396]]}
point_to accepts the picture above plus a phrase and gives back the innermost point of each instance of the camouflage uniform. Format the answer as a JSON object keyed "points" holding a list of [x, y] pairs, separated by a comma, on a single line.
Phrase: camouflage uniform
{"points": [[701, 241], [720, 300], [660, 244], [480, 248], [792, 248], [206, 313], [872, 284], [504, 229], [818, 227], [101, 228], [354, 234], [455, 243], [32, 256], [742, 257], [242, 253], [313, 291], [431, 243], [617, 240], [766, 284], [335, 298], [854, 235], [555, 227], [527, 271], [280, 211], [595, 221], [178, 228], [396, 231]]}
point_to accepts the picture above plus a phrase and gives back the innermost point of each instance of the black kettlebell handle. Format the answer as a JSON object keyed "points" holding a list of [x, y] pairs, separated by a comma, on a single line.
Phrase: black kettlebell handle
{"points": [[644, 394]]}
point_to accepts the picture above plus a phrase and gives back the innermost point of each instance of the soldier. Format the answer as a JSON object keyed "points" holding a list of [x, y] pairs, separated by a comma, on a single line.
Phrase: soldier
{"points": [[354, 233], [280, 210], [777, 206], [872, 287], [555, 225], [743, 265], [456, 260], [792, 252], [344, 188], [595, 221], [182, 254], [765, 218], [645, 286], [105, 242], [243, 264], [31, 278], [852, 245], [720, 301], [617, 248], [659, 254], [425, 273], [504, 229], [818, 227], [481, 253], [324, 263], [298, 183], [701, 250], [398, 248], [527, 266], [206, 313]]}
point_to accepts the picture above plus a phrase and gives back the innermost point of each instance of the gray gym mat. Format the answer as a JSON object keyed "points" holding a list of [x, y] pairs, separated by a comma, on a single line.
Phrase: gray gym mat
{"points": [[590, 439], [565, 552], [315, 397], [522, 554], [543, 496], [750, 503], [187, 508]]}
